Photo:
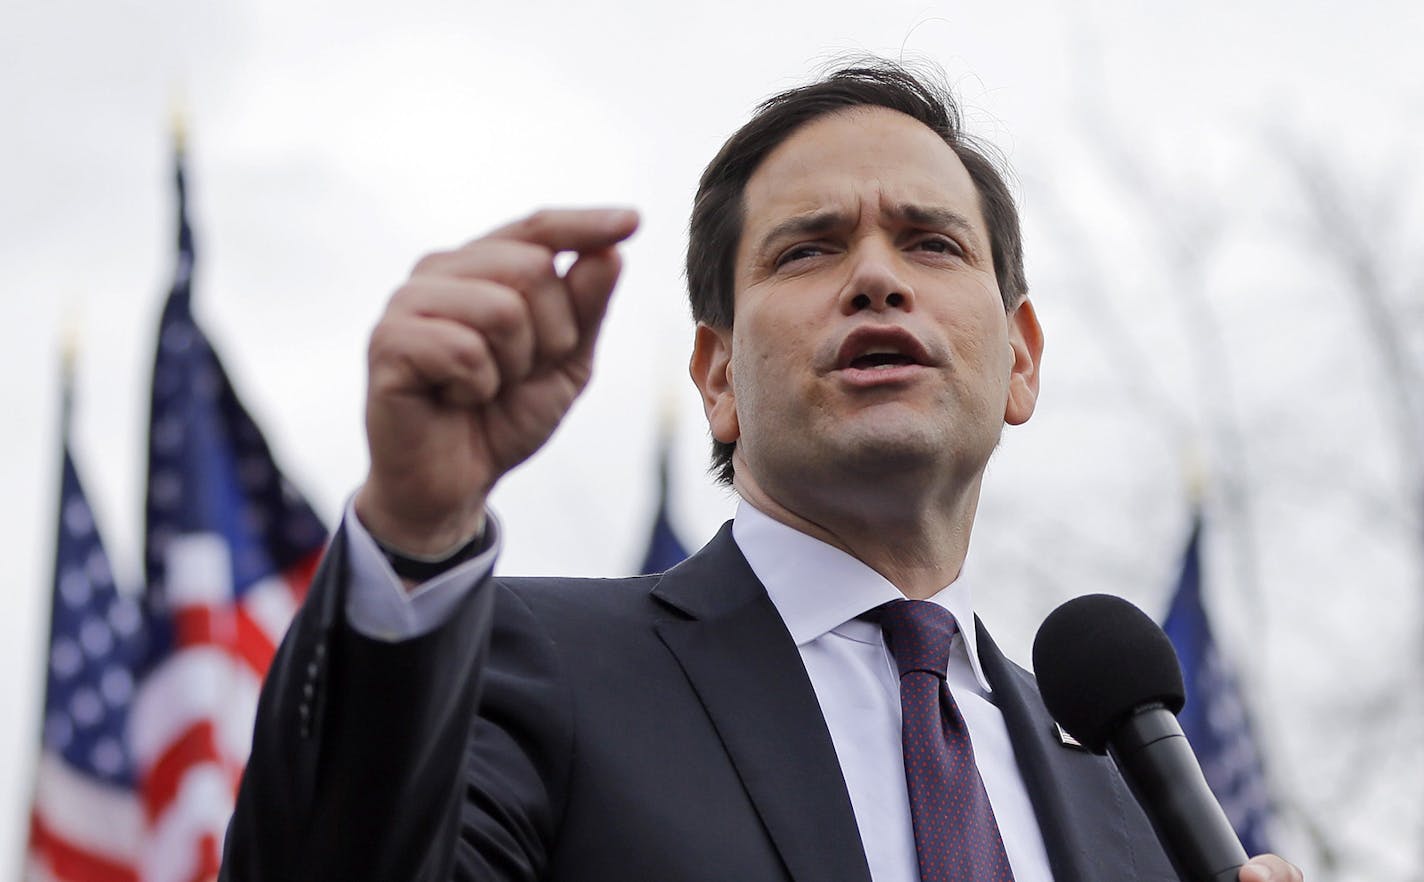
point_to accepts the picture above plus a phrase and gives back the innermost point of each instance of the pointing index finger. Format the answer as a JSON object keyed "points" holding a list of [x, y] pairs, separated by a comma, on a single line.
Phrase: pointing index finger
{"points": [[572, 229]]}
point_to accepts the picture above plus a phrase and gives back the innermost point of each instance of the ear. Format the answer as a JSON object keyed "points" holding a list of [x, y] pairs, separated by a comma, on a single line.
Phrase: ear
{"points": [[1026, 341], [711, 370]]}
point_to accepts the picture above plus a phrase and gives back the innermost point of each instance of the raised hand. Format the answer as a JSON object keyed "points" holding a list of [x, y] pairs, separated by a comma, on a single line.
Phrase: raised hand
{"points": [[476, 359]]}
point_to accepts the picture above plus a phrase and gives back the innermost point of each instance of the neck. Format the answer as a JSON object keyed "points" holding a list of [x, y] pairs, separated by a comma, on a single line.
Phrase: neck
{"points": [[918, 543]]}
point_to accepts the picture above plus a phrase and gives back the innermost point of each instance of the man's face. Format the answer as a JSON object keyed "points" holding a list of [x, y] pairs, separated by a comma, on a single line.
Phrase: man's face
{"points": [[869, 333]]}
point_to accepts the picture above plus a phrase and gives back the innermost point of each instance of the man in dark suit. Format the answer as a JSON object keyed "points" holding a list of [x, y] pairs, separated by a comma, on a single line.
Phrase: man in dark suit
{"points": [[753, 714]]}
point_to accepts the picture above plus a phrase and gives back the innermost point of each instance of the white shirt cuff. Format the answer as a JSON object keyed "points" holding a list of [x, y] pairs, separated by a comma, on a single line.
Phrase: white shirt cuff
{"points": [[379, 606]]}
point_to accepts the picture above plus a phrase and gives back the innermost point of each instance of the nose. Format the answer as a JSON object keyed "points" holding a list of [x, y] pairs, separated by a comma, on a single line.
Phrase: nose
{"points": [[877, 281]]}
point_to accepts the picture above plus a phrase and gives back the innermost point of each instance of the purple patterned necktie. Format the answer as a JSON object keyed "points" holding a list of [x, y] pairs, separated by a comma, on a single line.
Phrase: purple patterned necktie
{"points": [[956, 836]]}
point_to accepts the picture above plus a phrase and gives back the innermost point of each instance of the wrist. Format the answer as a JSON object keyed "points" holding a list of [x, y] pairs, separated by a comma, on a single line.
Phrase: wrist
{"points": [[423, 538], [414, 569]]}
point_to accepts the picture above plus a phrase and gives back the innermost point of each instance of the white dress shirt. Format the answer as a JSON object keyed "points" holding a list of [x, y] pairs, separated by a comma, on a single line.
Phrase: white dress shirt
{"points": [[820, 593]]}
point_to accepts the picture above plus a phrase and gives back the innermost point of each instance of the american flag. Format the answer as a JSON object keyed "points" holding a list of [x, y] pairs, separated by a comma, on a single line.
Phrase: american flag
{"points": [[231, 546], [86, 820], [1215, 718]]}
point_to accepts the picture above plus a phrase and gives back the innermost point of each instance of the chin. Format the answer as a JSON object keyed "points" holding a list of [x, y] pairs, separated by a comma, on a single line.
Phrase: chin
{"points": [[881, 452], [904, 448]]}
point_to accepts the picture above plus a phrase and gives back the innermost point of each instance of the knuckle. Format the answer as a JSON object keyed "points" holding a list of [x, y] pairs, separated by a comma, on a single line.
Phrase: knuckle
{"points": [[505, 314], [470, 355], [529, 265], [540, 223], [561, 338], [484, 382], [381, 343], [430, 263], [402, 299]]}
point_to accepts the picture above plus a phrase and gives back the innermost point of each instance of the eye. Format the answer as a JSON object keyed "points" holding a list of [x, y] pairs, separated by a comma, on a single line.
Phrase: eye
{"points": [[939, 245], [799, 252]]}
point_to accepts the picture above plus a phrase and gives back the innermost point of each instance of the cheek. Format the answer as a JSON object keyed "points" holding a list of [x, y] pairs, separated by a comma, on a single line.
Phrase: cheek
{"points": [[972, 336], [764, 345], [770, 368], [981, 346]]}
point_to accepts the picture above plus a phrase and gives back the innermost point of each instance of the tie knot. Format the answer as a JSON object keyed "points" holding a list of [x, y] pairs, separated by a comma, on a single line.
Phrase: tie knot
{"points": [[918, 633]]}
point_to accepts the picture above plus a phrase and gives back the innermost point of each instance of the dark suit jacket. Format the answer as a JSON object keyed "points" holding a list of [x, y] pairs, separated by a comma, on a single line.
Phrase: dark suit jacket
{"points": [[653, 728]]}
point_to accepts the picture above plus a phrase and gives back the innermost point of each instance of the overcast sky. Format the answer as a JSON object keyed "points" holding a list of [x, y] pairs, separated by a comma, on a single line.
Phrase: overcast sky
{"points": [[334, 142]]}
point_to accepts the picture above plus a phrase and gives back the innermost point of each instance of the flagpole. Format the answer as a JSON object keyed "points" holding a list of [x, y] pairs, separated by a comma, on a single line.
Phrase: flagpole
{"points": [[68, 356]]}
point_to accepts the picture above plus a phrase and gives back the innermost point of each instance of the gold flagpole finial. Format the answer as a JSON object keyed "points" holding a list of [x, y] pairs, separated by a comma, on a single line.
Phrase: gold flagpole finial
{"points": [[178, 121], [1194, 473], [69, 343]]}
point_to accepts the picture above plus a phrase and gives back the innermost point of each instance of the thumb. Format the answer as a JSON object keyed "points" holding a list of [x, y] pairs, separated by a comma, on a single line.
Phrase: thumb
{"points": [[1269, 868], [1255, 872]]}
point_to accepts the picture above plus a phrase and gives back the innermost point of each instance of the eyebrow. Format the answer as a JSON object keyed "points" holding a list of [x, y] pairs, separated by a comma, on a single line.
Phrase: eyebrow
{"points": [[813, 224], [933, 217], [820, 222]]}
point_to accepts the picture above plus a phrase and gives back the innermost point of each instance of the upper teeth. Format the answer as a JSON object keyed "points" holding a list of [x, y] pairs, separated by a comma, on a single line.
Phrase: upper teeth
{"points": [[882, 350]]}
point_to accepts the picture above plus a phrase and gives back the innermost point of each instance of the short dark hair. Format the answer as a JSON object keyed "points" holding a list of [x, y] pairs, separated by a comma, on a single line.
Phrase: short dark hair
{"points": [[716, 227]]}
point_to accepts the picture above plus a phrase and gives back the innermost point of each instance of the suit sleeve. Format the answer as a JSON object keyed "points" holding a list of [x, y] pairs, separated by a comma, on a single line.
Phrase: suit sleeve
{"points": [[439, 757]]}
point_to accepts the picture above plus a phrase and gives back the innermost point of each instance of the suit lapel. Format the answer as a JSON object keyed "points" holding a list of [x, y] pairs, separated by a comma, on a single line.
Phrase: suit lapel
{"points": [[741, 661], [1092, 827]]}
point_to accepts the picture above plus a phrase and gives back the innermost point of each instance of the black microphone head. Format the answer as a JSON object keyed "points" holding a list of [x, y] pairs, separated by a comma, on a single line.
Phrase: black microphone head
{"points": [[1098, 658]]}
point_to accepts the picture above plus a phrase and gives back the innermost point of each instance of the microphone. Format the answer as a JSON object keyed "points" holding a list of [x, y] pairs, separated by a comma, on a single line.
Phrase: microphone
{"points": [[1111, 679]]}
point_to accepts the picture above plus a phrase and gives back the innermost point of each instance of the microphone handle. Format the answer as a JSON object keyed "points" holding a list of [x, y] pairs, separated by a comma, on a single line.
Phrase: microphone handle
{"points": [[1155, 758]]}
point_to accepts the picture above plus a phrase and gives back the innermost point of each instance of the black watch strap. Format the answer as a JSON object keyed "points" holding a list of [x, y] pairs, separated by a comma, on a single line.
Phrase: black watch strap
{"points": [[423, 569]]}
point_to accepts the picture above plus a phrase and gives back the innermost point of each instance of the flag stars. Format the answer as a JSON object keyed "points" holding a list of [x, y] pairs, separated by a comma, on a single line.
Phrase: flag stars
{"points": [[85, 707], [95, 637], [65, 659], [124, 617], [96, 567], [107, 757], [74, 588], [178, 336], [78, 520], [116, 685]]}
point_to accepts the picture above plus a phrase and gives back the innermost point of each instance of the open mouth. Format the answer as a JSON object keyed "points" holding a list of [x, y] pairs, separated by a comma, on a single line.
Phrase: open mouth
{"points": [[876, 360], [881, 348]]}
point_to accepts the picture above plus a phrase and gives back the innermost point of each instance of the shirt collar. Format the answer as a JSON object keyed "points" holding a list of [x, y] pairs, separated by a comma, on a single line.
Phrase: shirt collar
{"points": [[818, 588]]}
